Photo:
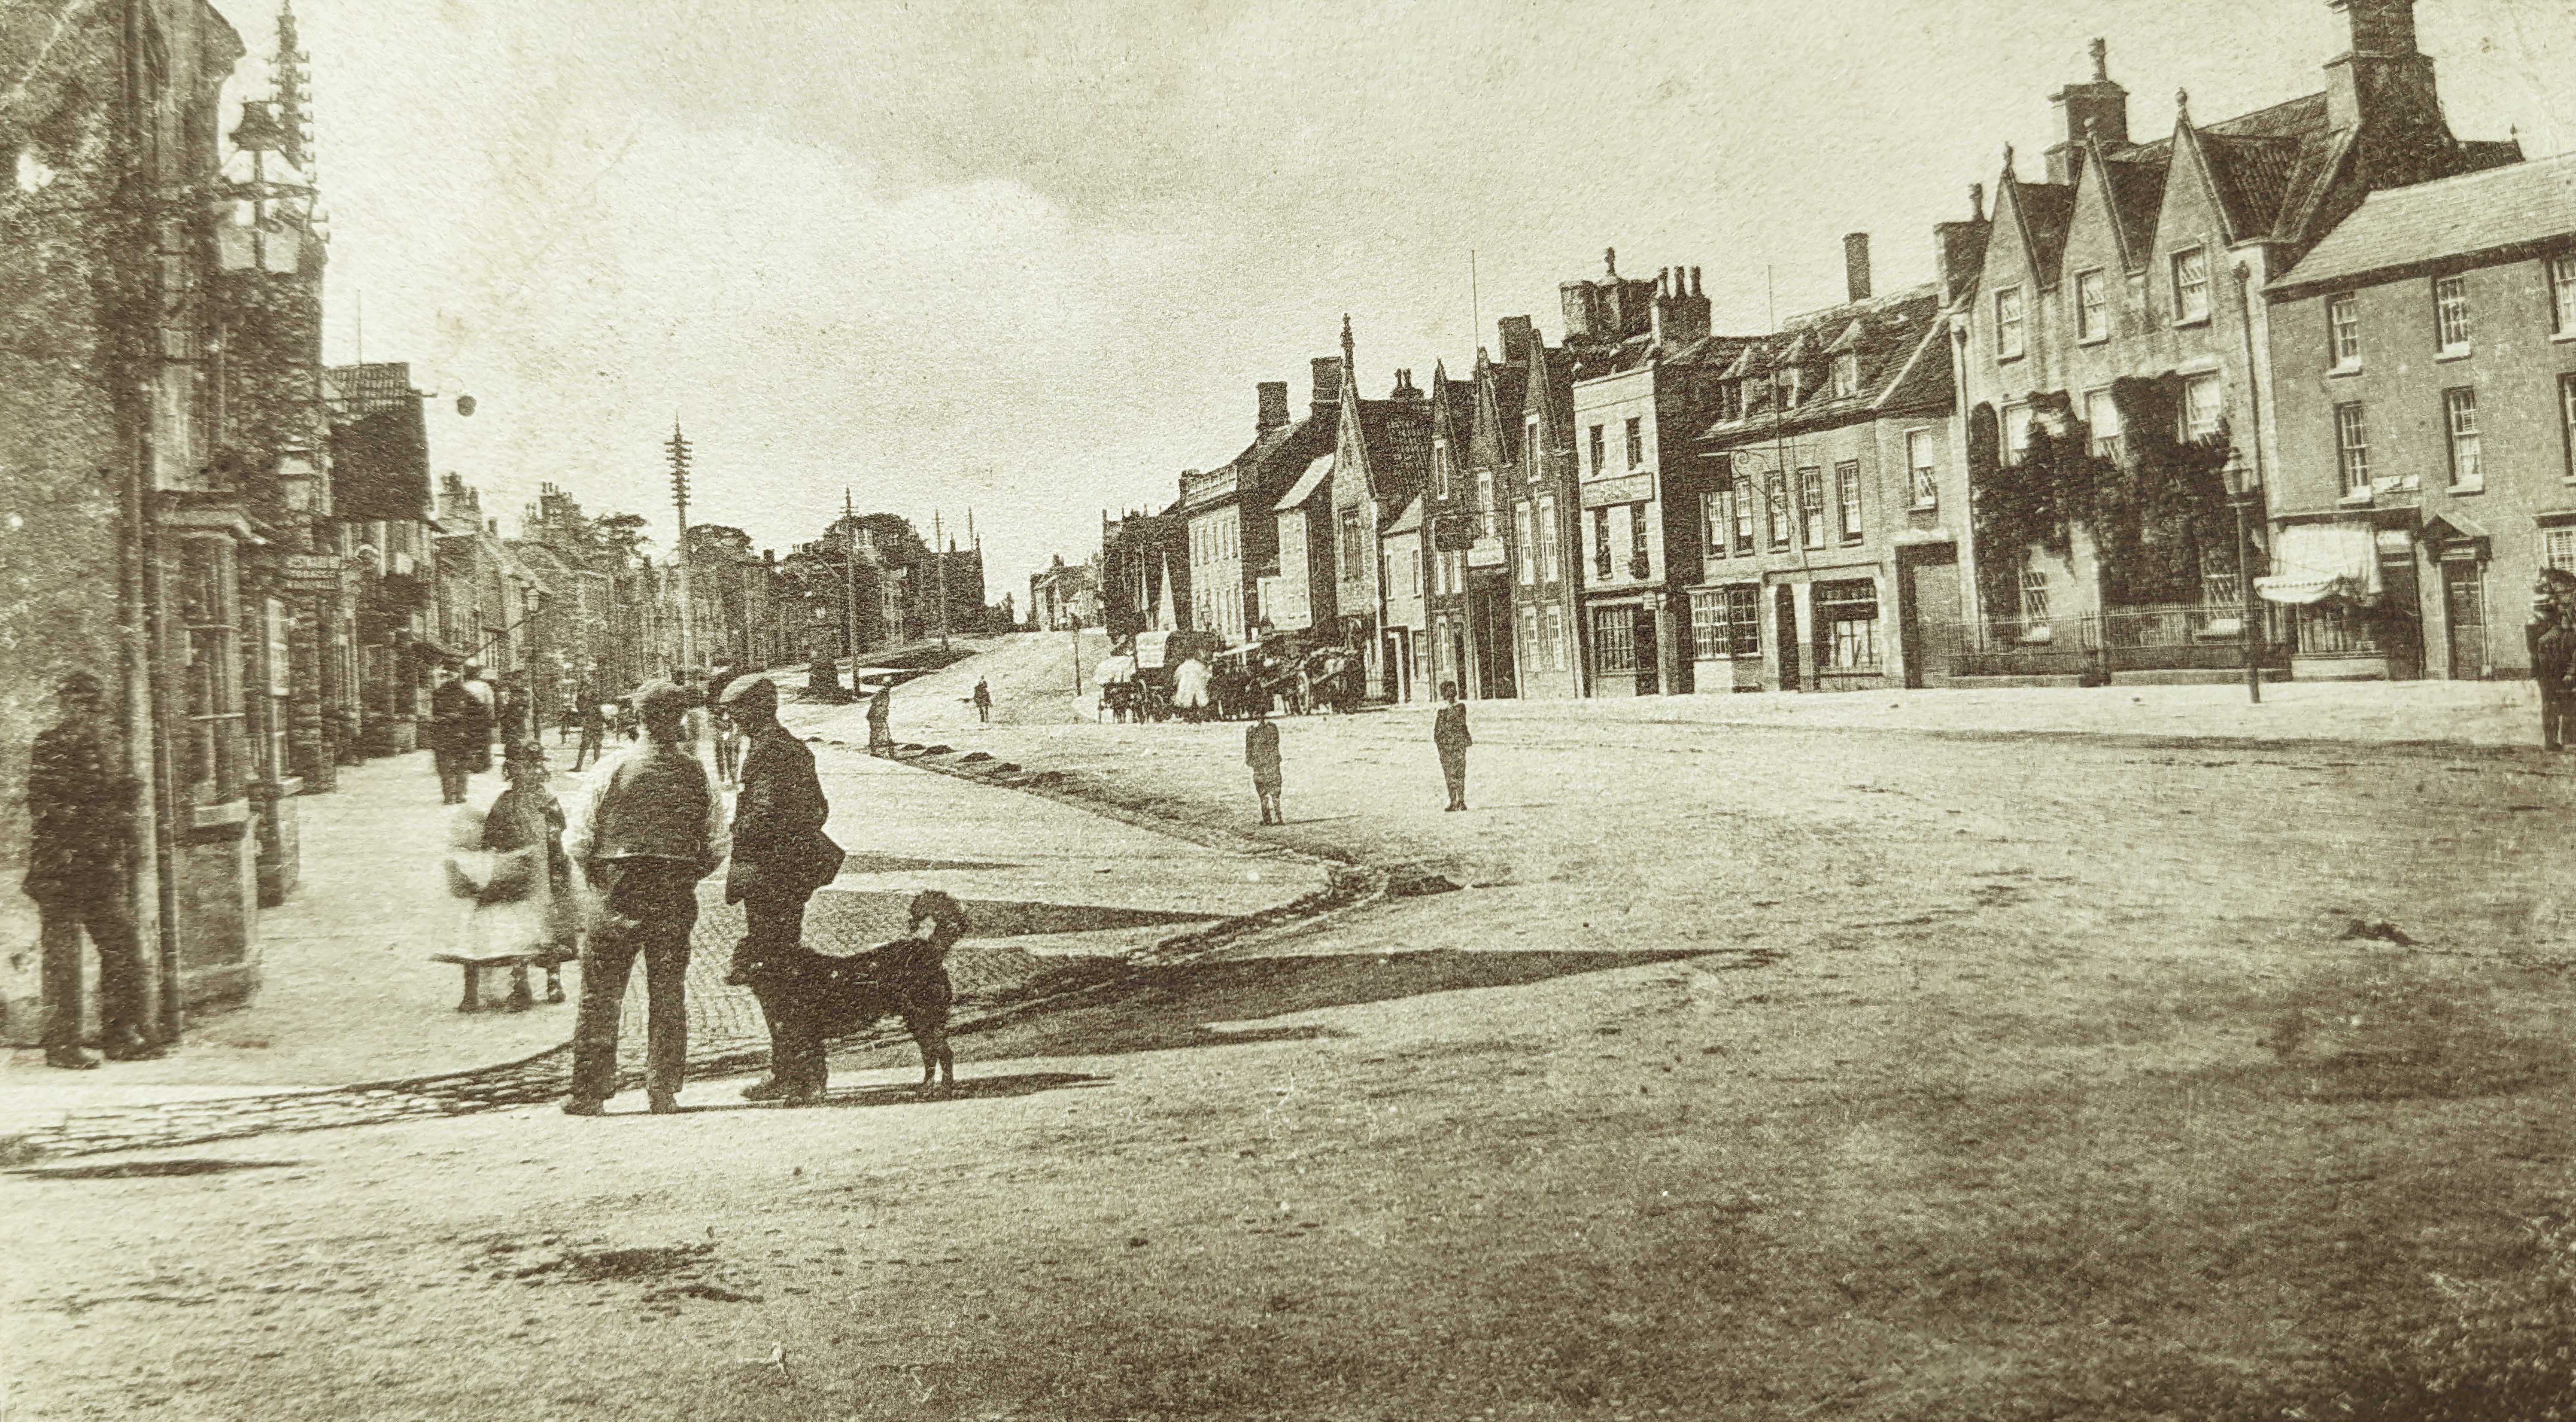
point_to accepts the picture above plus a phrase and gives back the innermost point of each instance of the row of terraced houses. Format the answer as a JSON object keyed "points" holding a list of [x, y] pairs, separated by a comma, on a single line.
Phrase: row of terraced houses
{"points": [[2332, 319]]}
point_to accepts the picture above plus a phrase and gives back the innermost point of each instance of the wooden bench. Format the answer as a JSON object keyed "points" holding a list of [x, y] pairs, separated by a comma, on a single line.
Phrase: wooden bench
{"points": [[474, 964]]}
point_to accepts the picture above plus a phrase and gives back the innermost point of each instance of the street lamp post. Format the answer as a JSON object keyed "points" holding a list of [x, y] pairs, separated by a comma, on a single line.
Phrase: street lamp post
{"points": [[2244, 496]]}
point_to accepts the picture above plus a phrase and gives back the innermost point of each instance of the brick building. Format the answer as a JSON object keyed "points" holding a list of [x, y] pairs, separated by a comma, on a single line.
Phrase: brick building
{"points": [[2424, 370]]}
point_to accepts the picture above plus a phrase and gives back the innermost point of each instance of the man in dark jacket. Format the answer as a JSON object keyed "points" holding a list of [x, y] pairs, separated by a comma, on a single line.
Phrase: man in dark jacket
{"points": [[2552, 639], [83, 804], [780, 853], [448, 704], [1261, 752], [474, 722], [1449, 736], [655, 829]]}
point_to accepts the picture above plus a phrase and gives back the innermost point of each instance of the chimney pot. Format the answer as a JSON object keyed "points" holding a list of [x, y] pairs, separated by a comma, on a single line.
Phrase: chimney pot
{"points": [[1695, 291], [1610, 260], [1856, 265], [1976, 202]]}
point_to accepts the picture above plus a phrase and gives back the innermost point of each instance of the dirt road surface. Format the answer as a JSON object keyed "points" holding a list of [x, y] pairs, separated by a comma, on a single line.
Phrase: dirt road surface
{"points": [[1753, 1071]]}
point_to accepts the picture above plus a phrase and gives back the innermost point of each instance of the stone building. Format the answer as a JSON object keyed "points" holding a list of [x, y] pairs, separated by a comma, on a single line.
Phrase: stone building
{"points": [[380, 492], [131, 499], [1523, 448], [1381, 460], [2116, 357], [2423, 362], [1065, 595], [1647, 379], [1829, 554], [1233, 530]]}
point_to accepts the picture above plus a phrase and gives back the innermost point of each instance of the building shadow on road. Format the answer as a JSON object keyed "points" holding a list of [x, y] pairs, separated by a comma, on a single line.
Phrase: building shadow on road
{"points": [[1162, 1008]]}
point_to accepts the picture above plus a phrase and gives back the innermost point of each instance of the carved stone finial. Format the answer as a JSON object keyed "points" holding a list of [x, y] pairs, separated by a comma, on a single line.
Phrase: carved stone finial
{"points": [[2008, 159], [2182, 103]]}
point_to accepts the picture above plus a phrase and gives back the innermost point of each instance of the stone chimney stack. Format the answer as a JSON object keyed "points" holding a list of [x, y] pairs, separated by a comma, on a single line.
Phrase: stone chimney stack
{"points": [[1959, 248], [1856, 265], [1680, 314], [2099, 106], [1328, 382], [2384, 87], [1518, 335], [1404, 387], [1274, 406]]}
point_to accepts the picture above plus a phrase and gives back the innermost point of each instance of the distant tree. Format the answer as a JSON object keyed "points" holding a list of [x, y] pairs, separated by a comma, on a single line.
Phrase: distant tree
{"points": [[619, 536], [716, 542]]}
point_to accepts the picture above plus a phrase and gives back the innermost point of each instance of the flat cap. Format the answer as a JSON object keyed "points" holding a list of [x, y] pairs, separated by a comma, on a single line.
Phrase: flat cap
{"points": [[747, 689], [662, 696]]}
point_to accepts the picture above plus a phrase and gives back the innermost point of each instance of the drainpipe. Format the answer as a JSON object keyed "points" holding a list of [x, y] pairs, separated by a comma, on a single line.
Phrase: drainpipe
{"points": [[2252, 501]]}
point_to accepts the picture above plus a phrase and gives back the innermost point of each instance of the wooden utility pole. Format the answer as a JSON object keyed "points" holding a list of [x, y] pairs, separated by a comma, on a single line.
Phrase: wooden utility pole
{"points": [[850, 584], [678, 448], [939, 550]]}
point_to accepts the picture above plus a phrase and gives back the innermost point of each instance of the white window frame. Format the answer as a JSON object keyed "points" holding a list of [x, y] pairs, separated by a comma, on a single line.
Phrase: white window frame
{"points": [[2012, 316], [2352, 448], [1527, 552], [2343, 331], [2567, 423], [2092, 307], [2114, 445], [1846, 375], [2216, 388], [2452, 329], [1634, 434], [1548, 544], [2561, 274], [2016, 420], [1848, 520], [2034, 594], [2190, 269], [2558, 549], [2460, 431], [1922, 463]]}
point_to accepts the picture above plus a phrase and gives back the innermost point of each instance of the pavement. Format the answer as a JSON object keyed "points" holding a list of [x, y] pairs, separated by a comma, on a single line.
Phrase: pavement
{"points": [[350, 996]]}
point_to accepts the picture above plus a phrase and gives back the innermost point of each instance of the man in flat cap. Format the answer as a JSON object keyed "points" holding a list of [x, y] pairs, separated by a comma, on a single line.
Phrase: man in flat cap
{"points": [[655, 829], [83, 804], [780, 853]]}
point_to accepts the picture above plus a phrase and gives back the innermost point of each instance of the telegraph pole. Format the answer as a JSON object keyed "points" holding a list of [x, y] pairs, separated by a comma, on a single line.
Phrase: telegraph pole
{"points": [[850, 583], [939, 550], [677, 447]]}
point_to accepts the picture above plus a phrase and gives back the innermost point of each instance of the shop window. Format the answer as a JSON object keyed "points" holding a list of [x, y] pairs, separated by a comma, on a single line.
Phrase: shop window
{"points": [[1614, 640], [1847, 624], [1726, 622], [2334, 628]]}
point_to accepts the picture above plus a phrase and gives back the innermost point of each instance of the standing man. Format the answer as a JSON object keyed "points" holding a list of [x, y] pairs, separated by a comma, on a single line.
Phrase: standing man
{"points": [[2551, 636], [983, 700], [83, 805], [447, 708], [651, 833], [1449, 736], [1261, 752], [474, 723], [593, 716], [780, 853]]}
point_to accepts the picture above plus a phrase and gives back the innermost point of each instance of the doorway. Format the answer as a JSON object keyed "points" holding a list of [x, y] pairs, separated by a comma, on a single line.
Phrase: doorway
{"points": [[1785, 600], [2464, 611], [1927, 612], [1649, 655]]}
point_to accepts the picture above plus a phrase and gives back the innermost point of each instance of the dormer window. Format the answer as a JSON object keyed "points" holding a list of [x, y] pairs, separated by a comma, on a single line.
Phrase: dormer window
{"points": [[1748, 398], [1846, 375], [2191, 286], [2008, 324], [2092, 307], [1790, 382]]}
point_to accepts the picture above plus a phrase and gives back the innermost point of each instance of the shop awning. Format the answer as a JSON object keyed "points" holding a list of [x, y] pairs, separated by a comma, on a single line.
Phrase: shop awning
{"points": [[2315, 561]]}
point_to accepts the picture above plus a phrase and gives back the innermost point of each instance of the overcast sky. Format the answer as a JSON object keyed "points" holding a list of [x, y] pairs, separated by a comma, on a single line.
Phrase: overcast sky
{"points": [[1032, 259]]}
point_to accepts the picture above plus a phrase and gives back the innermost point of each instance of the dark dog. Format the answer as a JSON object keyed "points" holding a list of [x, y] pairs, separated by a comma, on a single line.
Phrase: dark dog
{"points": [[811, 999]]}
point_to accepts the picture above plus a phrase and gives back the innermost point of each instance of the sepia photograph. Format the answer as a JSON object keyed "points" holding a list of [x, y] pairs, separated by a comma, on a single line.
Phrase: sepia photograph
{"points": [[1009, 710]]}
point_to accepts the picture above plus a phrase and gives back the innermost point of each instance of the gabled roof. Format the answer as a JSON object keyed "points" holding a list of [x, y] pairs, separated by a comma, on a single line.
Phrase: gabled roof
{"points": [[2043, 211], [1898, 347], [1396, 438], [2136, 188], [1410, 520], [1317, 471], [1500, 391], [2519, 207]]}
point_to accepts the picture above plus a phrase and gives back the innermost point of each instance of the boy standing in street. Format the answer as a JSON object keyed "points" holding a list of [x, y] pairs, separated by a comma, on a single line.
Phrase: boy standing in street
{"points": [[780, 853], [1261, 752], [1449, 736], [651, 833]]}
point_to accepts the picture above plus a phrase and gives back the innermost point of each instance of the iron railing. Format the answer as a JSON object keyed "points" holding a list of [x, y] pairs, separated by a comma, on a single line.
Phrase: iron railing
{"points": [[2204, 636]]}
